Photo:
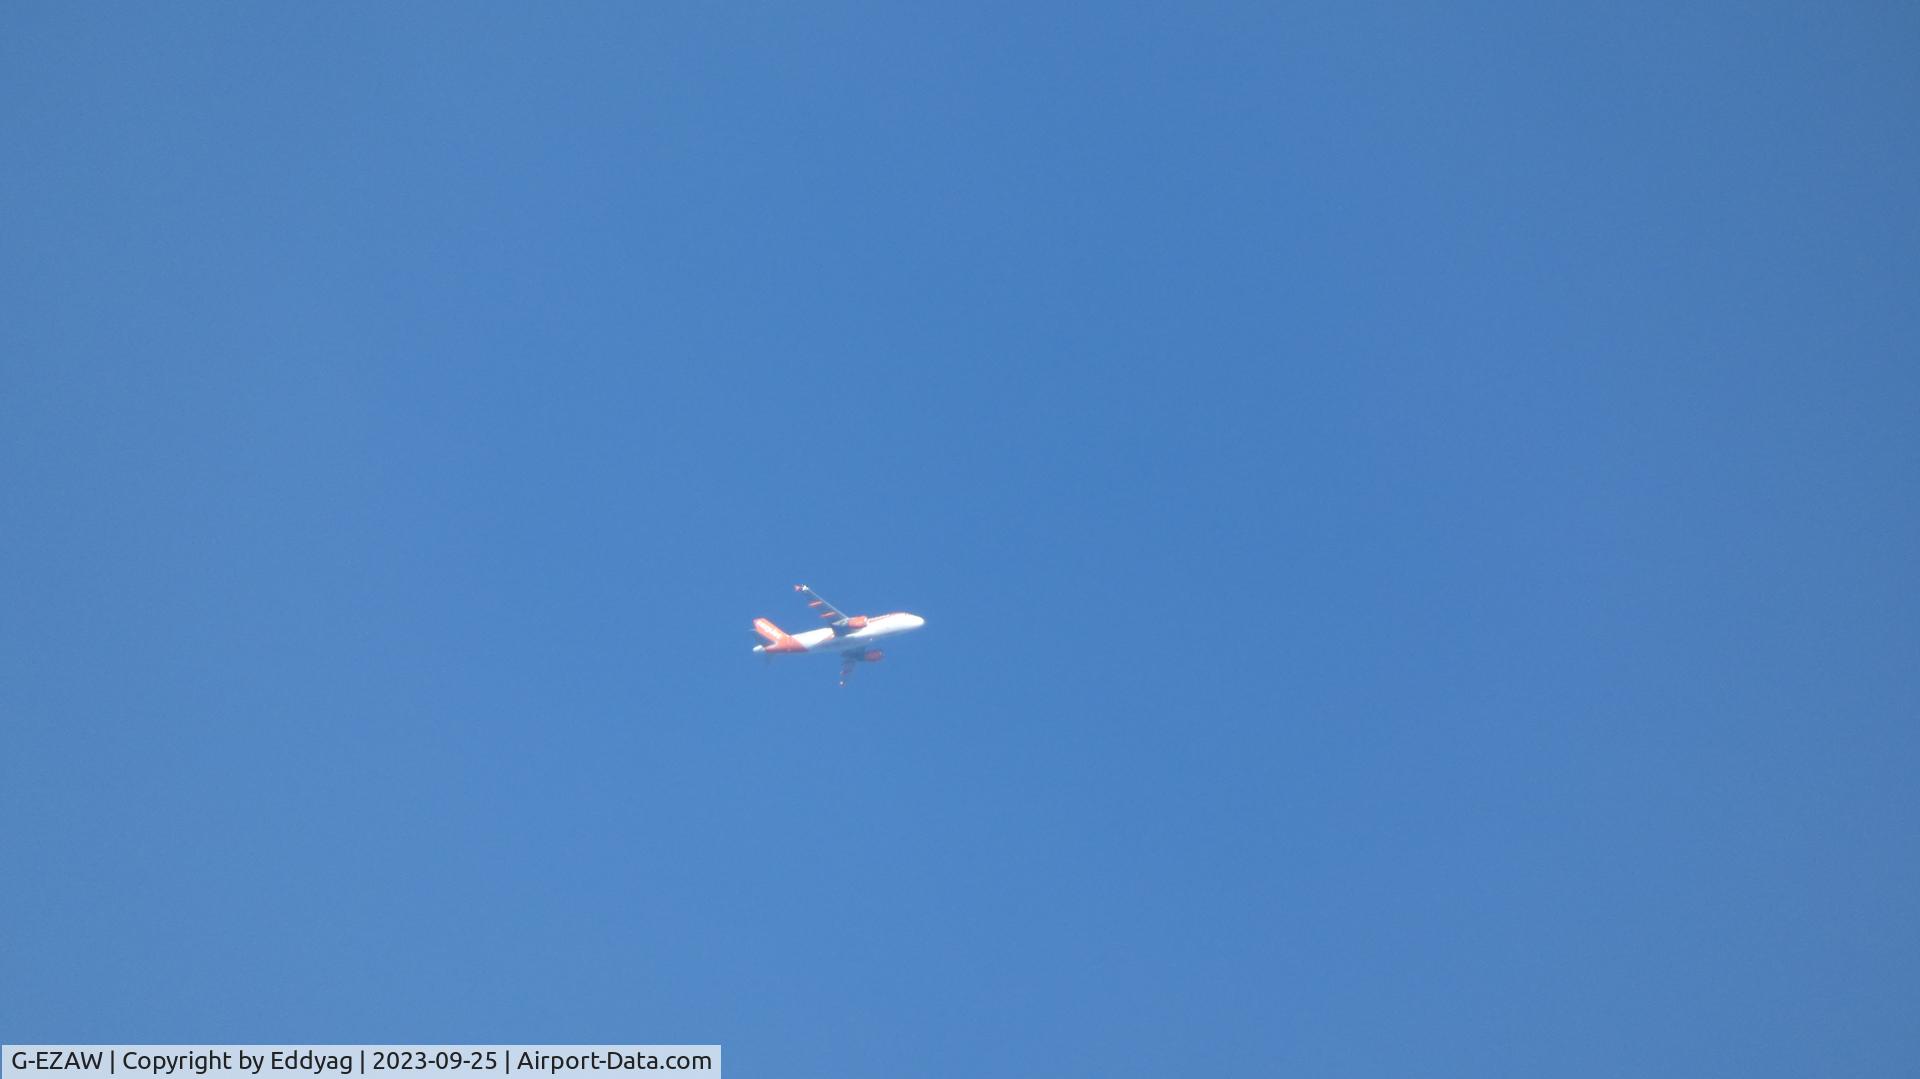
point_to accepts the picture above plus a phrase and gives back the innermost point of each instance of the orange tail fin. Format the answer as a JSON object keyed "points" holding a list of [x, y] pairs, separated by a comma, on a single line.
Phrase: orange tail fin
{"points": [[774, 634]]}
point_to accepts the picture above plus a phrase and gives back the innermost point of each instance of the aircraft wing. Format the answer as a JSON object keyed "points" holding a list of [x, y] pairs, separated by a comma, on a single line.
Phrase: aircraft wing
{"points": [[829, 614]]}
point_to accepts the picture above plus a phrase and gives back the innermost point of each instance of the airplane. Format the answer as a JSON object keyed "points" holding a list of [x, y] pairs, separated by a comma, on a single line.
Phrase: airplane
{"points": [[847, 637]]}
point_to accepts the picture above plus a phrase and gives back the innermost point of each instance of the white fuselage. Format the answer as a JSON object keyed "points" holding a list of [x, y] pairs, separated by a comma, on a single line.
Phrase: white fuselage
{"points": [[832, 642]]}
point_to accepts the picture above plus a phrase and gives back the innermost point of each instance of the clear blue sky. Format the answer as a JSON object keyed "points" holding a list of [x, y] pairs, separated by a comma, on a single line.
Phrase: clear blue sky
{"points": [[1415, 508]]}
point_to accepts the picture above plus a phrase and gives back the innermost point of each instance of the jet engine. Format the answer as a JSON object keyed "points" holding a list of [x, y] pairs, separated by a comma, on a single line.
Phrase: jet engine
{"points": [[873, 656], [858, 621]]}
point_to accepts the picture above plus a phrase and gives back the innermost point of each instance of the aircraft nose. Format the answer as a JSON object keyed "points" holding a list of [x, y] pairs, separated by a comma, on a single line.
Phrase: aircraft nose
{"points": [[918, 621]]}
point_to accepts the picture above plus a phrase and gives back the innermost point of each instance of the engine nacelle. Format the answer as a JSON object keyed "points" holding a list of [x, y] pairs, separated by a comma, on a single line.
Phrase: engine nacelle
{"points": [[873, 656], [858, 621]]}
